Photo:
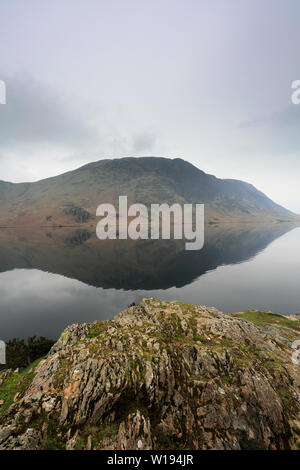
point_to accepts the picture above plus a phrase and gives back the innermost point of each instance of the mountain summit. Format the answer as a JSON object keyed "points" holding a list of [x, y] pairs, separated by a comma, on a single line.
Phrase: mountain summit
{"points": [[72, 198]]}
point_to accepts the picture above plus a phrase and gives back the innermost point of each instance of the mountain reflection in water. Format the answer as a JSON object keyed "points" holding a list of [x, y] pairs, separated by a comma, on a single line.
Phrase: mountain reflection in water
{"points": [[40, 270]]}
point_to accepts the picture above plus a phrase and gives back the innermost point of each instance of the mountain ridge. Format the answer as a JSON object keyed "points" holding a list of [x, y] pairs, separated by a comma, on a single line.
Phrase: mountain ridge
{"points": [[144, 180]]}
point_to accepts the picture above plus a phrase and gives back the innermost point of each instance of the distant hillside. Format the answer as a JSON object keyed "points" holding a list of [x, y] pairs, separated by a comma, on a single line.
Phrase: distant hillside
{"points": [[72, 198]]}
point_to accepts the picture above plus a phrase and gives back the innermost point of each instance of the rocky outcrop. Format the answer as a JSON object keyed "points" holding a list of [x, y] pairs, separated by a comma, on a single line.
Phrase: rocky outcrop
{"points": [[78, 214], [161, 375]]}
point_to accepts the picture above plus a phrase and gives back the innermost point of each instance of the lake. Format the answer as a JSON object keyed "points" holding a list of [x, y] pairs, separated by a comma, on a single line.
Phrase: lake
{"points": [[52, 278]]}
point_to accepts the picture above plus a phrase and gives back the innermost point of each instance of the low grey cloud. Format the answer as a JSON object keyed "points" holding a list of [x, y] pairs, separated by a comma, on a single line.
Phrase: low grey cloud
{"points": [[287, 117], [144, 141], [275, 133], [44, 132], [36, 114], [117, 89]]}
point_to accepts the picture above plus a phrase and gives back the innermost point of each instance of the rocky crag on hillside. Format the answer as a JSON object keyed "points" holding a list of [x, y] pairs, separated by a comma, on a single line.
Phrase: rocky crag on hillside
{"points": [[161, 375]]}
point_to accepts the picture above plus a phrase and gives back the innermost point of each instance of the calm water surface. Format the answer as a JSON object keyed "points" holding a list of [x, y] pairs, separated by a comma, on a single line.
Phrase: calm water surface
{"points": [[51, 279]]}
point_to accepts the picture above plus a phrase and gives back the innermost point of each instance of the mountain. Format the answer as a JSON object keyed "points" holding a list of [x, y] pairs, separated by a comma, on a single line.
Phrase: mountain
{"points": [[162, 376], [72, 198]]}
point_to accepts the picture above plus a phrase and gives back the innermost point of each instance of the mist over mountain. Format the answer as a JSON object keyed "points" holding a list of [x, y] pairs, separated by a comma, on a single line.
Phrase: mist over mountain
{"points": [[72, 198]]}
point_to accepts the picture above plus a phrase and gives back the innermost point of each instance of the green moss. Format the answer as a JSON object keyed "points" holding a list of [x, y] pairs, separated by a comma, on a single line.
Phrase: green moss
{"points": [[17, 382], [97, 328], [64, 337], [80, 443], [274, 361], [55, 441], [97, 433], [199, 338], [105, 431], [61, 373], [286, 397], [268, 318], [296, 430], [186, 308]]}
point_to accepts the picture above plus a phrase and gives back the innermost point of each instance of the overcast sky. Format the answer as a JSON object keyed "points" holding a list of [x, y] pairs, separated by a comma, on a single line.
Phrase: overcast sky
{"points": [[205, 80]]}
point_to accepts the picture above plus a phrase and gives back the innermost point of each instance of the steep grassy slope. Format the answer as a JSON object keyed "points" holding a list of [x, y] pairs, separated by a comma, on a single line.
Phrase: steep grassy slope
{"points": [[72, 198]]}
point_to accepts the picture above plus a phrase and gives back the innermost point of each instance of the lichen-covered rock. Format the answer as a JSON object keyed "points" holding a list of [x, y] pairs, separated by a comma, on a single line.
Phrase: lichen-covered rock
{"points": [[161, 375]]}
